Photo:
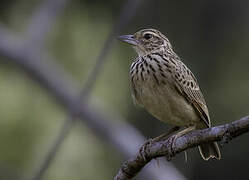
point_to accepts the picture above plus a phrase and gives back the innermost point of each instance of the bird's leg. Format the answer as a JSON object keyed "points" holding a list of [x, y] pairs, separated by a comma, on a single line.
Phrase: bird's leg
{"points": [[163, 136], [166, 134], [174, 137]]}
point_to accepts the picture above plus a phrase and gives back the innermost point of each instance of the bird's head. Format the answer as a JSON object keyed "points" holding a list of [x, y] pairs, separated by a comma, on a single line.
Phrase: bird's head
{"points": [[147, 41]]}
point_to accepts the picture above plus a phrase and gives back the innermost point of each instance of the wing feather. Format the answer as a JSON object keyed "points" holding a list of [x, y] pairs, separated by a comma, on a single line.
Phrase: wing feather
{"points": [[188, 86]]}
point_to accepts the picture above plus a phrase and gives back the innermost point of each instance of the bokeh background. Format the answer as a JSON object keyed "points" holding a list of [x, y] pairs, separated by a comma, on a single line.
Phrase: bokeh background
{"points": [[211, 37]]}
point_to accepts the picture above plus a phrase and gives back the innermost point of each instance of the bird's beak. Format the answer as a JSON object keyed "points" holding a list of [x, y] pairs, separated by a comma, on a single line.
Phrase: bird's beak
{"points": [[128, 39]]}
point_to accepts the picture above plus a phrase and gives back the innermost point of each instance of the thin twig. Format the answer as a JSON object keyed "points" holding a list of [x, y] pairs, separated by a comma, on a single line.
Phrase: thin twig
{"points": [[128, 11], [224, 133]]}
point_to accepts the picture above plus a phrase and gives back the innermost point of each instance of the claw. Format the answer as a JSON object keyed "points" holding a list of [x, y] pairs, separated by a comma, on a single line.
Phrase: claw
{"points": [[171, 145], [226, 138], [142, 150]]}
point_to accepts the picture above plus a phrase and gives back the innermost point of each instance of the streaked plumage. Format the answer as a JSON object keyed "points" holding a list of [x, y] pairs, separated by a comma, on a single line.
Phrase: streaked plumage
{"points": [[162, 84]]}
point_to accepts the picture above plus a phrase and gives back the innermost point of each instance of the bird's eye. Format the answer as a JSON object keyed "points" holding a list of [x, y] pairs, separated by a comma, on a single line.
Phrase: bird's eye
{"points": [[147, 36]]}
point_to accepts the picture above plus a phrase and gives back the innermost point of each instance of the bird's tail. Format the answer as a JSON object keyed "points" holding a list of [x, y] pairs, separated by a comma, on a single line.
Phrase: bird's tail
{"points": [[210, 150]]}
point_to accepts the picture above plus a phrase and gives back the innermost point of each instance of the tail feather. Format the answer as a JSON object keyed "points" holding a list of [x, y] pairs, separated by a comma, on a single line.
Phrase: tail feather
{"points": [[210, 150]]}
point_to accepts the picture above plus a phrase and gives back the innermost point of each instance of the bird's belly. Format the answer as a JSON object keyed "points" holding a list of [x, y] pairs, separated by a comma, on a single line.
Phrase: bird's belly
{"points": [[166, 104]]}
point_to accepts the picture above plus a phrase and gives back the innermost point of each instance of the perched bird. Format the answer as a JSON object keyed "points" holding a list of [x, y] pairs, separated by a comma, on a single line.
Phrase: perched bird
{"points": [[162, 84]]}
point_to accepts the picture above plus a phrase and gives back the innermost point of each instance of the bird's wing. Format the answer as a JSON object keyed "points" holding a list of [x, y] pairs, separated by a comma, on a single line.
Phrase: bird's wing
{"points": [[188, 86]]}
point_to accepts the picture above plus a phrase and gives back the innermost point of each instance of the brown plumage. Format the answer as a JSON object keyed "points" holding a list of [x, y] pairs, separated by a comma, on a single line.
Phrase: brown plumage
{"points": [[162, 84]]}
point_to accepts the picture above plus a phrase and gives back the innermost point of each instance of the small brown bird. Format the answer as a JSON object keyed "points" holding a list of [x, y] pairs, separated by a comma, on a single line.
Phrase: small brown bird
{"points": [[162, 84]]}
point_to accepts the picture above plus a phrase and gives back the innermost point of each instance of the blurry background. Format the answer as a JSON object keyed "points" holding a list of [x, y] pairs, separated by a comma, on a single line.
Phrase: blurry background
{"points": [[211, 37]]}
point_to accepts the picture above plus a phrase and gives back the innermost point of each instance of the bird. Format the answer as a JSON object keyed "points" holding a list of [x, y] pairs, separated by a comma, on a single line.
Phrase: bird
{"points": [[163, 85]]}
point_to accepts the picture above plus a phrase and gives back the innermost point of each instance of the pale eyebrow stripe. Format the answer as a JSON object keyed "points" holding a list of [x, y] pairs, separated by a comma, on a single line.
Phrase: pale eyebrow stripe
{"points": [[151, 32]]}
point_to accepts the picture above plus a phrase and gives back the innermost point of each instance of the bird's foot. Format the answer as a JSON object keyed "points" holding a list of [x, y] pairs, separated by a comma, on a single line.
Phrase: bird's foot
{"points": [[226, 138], [143, 149], [171, 145], [162, 137]]}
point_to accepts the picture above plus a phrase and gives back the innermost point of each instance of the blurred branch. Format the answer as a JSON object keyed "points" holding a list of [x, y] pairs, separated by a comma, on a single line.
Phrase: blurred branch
{"points": [[128, 11], [126, 14], [54, 149], [224, 133], [43, 20], [110, 128]]}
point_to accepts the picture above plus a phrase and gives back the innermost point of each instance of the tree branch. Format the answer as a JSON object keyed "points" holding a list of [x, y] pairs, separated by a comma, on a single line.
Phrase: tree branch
{"points": [[223, 133]]}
